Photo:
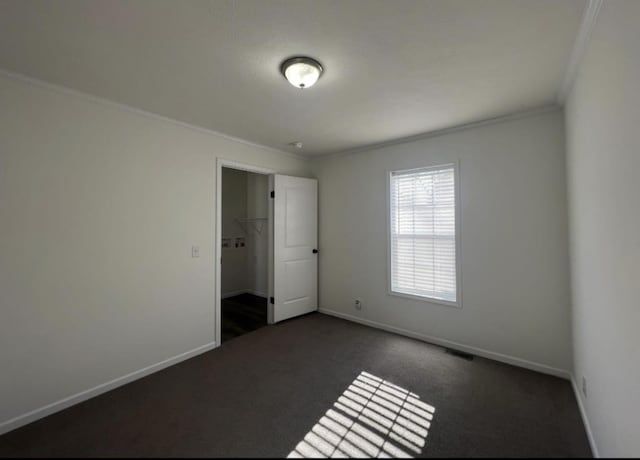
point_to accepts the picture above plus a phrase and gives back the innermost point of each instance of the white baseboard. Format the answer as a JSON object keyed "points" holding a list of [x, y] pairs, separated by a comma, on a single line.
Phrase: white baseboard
{"points": [[585, 419], [243, 291], [69, 401], [454, 345]]}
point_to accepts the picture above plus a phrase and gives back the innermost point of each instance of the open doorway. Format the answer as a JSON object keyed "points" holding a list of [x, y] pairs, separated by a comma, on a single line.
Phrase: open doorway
{"points": [[244, 246], [266, 249]]}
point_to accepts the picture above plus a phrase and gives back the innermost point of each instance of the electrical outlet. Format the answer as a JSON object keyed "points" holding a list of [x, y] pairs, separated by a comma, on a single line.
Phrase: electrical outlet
{"points": [[584, 386], [195, 251], [358, 304]]}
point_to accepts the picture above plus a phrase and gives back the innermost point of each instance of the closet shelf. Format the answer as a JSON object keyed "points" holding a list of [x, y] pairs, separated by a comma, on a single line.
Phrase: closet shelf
{"points": [[257, 223]]}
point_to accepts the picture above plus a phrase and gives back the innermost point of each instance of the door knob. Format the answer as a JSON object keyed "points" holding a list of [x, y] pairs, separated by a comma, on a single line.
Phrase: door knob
{"points": [[315, 251]]}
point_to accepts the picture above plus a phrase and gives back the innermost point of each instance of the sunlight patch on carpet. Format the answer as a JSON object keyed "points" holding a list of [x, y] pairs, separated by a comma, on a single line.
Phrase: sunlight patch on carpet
{"points": [[372, 418]]}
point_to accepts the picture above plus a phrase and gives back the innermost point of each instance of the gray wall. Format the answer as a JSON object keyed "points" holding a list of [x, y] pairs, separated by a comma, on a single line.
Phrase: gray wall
{"points": [[234, 272], [258, 240], [515, 273], [99, 208], [603, 163], [244, 269]]}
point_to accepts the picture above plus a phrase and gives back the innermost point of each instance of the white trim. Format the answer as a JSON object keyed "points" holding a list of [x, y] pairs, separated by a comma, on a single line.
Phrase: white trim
{"points": [[440, 132], [585, 419], [587, 25], [543, 368], [245, 167], [118, 105], [217, 294], [458, 236], [77, 398], [270, 251]]}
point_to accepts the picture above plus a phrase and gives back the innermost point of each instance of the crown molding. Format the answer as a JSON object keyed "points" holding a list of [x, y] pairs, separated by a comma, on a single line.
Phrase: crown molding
{"points": [[118, 105], [440, 132], [107, 102], [587, 25], [588, 21]]}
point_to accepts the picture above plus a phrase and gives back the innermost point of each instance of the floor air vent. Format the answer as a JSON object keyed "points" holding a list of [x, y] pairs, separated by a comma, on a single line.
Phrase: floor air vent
{"points": [[460, 354]]}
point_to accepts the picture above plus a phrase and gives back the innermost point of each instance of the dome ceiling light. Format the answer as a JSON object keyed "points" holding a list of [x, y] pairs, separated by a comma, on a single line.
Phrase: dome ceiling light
{"points": [[301, 71]]}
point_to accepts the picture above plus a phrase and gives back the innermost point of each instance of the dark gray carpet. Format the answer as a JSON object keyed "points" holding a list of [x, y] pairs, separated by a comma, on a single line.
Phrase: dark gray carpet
{"points": [[241, 314], [259, 394]]}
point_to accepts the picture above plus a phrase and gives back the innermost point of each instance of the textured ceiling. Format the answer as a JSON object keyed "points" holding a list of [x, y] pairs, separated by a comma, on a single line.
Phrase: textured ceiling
{"points": [[393, 68]]}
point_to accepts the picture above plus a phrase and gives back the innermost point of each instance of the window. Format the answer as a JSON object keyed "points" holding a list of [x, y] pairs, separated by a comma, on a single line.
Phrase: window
{"points": [[423, 233]]}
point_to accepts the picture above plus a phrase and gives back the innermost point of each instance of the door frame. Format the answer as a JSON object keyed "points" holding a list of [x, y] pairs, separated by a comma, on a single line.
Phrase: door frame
{"points": [[225, 163]]}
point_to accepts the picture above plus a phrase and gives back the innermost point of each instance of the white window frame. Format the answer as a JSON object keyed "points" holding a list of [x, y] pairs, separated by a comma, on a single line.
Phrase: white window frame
{"points": [[458, 220]]}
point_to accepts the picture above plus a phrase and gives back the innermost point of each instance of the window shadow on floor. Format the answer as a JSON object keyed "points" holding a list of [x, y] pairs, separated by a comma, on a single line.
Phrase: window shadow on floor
{"points": [[372, 418]]}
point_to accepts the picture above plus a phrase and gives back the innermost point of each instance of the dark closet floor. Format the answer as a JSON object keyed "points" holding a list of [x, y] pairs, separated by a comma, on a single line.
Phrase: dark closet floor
{"points": [[241, 314]]}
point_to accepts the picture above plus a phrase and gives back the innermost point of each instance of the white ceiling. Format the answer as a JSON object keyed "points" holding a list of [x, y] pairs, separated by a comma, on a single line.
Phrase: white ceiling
{"points": [[393, 68]]}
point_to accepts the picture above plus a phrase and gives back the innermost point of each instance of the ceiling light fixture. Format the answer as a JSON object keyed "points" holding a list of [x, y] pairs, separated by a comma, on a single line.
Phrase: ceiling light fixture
{"points": [[301, 71]]}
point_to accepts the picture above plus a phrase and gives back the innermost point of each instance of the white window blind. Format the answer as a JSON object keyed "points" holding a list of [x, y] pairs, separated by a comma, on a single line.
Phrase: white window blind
{"points": [[423, 233]]}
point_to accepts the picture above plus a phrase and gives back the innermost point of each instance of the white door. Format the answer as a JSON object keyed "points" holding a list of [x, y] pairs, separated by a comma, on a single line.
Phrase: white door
{"points": [[295, 242]]}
